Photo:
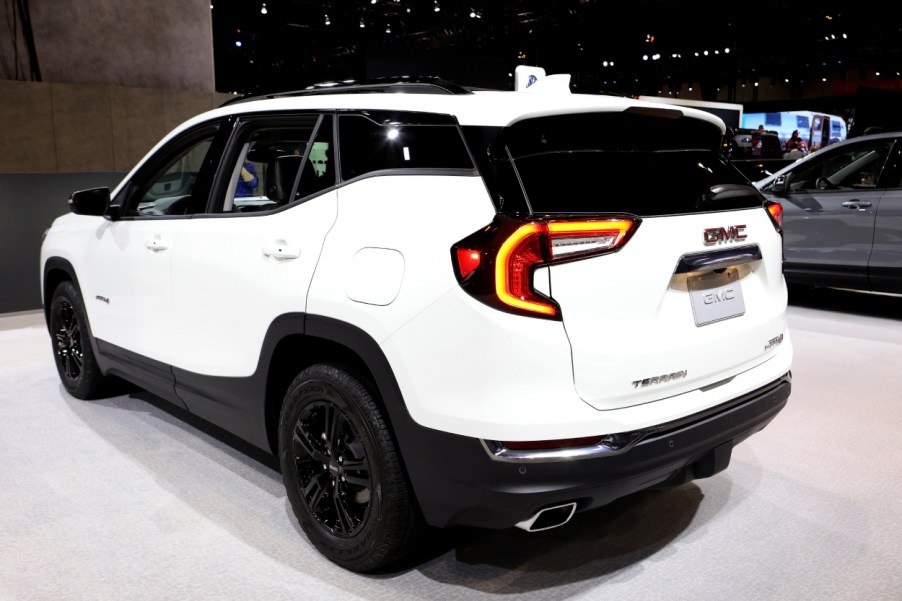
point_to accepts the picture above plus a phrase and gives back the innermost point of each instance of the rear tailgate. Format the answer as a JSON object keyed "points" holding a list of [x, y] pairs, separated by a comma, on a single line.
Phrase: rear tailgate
{"points": [[629, 315]]}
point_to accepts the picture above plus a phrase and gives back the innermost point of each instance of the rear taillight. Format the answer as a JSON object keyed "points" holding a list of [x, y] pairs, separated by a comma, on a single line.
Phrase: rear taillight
{"points": [[497, 264], [775, 210]]}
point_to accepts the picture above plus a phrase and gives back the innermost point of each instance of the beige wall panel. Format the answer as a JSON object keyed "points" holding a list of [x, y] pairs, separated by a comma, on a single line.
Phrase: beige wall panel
{"points": [[26, 112], [83, 128], [181, 106], [164, 44], [142, 117], [138, 123]]}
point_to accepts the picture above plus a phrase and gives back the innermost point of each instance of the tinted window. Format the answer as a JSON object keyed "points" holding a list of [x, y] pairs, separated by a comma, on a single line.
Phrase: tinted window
{"points": [[855, 166], [367, 146], [619, 163]]}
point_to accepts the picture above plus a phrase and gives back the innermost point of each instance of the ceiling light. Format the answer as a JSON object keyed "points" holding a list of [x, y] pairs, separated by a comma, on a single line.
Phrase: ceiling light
{"points": [[263, 10]]}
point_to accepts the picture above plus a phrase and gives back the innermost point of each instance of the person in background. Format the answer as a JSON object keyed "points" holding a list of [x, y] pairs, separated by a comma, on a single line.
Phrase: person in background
{"points": [[247, 180], [795, 142]]}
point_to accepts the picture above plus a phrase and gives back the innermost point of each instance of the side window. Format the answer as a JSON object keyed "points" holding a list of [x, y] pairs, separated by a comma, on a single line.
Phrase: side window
{"points": [[280, 163], [856, 167], [368, 146], [166, 184]]}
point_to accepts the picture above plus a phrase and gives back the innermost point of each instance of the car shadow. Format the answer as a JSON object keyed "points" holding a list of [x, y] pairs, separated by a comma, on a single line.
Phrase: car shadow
{"points": [[847, 301], [594, 545]]}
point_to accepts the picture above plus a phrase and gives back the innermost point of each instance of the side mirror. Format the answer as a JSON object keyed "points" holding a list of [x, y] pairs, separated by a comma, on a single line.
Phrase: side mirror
{"points": [[780, 185], [94, 201]]}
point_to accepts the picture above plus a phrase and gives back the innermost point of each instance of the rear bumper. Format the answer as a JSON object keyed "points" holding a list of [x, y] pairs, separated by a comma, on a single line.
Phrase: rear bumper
{"points": [[458, 483]]}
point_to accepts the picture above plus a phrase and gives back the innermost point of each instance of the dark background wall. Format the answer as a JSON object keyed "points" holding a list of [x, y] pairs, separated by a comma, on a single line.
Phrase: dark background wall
{"points": [[29, 202]]}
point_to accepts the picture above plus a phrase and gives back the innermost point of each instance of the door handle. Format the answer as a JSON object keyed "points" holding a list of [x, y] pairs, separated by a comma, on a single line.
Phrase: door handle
{"points": [[281, 251], [157, 243], [857, 204]]}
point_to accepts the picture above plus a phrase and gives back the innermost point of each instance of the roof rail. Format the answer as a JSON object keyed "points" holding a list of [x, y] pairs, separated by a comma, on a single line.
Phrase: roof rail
{"points": [[405, 84]]}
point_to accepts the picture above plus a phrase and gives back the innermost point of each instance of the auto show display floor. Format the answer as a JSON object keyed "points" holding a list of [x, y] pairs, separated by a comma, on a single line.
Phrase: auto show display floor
{"points": [[120, 499]]}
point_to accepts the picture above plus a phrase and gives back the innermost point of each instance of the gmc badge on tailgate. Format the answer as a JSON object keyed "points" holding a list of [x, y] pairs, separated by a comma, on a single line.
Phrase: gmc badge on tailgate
{"points": [[724, 234]]}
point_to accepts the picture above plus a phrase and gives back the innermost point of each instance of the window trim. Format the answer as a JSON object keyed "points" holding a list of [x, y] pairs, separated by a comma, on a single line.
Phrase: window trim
{"points": [[243, 126]]}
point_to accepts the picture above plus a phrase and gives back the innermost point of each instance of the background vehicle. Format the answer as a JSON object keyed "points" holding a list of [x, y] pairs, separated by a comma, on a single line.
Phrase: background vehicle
{"points": [[817, 129], [481, 308], [842, 211], [756, 154]]}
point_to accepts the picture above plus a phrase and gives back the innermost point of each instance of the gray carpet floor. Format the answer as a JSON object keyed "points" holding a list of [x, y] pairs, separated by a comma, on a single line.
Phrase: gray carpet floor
{"points": [[118, 499]]}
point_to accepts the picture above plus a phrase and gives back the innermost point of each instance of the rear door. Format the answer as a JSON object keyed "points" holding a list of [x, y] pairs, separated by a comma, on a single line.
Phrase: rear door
{"points": [[250, 258], [885, 263]]}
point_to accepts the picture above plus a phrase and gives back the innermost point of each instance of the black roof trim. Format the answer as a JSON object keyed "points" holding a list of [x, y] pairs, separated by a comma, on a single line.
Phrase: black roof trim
{"points": [[405, 84]]}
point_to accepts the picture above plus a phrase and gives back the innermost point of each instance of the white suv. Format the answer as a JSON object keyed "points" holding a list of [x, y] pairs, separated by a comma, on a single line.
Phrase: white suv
{"points": [[438, 307]]}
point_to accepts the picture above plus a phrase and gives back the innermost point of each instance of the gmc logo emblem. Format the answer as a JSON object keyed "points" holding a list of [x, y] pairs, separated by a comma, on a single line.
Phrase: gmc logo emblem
{"points": [[724, 234], [727, 294]]}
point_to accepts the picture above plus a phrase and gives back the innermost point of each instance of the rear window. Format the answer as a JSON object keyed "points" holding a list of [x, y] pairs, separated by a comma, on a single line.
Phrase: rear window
{"points": [[400, 143], [638, 163]]}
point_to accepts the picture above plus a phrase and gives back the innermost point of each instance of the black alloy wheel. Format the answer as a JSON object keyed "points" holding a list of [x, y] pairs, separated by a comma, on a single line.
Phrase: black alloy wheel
{"points": [[332, 468], [343, 473], [71, 337], [69, 354]]}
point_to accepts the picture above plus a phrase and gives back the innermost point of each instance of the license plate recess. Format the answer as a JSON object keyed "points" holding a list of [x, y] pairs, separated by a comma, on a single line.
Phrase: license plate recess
{"points": [[715, 296]]}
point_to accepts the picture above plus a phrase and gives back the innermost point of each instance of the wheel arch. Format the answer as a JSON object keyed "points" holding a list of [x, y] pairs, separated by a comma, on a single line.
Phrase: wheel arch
{"points": [[295, 346], [56, 271]]}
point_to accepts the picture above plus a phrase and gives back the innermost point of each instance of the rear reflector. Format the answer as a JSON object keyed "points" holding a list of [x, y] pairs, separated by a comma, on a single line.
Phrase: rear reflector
{"points": [[467, 261], [564, 443]]}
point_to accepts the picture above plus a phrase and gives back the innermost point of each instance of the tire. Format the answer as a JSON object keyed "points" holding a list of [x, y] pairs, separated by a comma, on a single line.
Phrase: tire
{"points": [[343, 473], [72, 350]]}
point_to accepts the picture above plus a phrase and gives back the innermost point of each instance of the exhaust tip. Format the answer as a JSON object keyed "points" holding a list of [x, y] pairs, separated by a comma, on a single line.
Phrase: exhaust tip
{"points": [[548, 518]]}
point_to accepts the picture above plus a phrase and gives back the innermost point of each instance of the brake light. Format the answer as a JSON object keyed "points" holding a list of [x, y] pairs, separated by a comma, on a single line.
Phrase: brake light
{"points": [[513, 270], [775, 210], [510, 250]]}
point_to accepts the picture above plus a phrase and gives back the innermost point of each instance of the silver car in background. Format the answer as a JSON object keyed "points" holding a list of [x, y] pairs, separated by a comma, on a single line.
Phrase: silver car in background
{"points": [[842, 214]]}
